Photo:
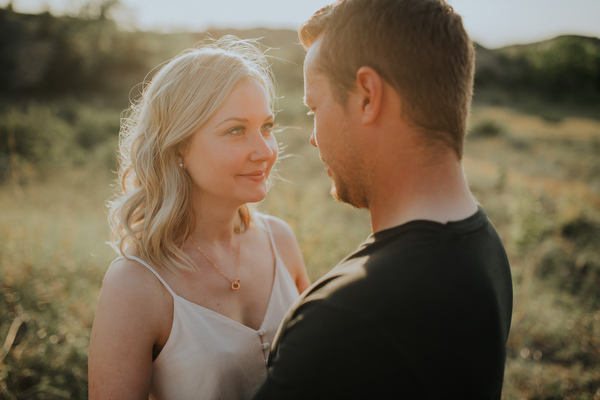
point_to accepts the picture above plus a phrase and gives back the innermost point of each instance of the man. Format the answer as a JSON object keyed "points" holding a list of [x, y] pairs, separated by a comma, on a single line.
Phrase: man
{"points": [[422, 309]]}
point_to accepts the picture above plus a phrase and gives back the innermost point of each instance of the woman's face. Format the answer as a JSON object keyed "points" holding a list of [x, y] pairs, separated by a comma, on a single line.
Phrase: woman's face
{"points": [[230, 157]]}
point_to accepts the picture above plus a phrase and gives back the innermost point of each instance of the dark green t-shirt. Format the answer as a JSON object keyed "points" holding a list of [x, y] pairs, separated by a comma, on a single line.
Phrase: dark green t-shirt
{"points": [[419, 311]]}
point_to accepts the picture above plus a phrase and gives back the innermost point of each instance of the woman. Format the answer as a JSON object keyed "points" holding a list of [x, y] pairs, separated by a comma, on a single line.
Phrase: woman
{"points": [[190, 308]]}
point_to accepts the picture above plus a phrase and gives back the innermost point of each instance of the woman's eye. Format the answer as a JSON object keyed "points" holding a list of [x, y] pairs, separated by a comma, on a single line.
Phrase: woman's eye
{"points": [[268, 128], [237, 131]]}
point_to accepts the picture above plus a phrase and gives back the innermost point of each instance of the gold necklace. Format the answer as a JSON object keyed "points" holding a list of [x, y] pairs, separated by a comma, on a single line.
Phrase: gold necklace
{"points": [[235, 284]]}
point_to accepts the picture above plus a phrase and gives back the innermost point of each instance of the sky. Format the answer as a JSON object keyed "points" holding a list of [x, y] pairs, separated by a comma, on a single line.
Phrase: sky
{"points": [[491, 23]]}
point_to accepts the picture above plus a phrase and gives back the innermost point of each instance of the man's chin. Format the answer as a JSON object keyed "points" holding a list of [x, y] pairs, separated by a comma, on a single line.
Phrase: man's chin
{"points": [[343, 196]]}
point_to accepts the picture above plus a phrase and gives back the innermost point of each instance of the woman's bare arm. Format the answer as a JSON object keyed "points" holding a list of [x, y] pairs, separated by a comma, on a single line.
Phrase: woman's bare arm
{"points": [[129, 324]]}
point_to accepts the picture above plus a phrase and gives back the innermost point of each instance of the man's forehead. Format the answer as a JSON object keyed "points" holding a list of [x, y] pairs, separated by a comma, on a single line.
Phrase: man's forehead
{"points": [[312, 82], [313, 76], [312, 54]]}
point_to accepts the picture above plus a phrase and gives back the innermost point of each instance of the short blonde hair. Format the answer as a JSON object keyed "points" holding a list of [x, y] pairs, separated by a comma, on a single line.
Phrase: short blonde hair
{"points": [[152, 209]]}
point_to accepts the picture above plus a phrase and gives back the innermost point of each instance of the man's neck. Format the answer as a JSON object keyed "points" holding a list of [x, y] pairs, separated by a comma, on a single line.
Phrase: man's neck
{"points": [[435, 192]]}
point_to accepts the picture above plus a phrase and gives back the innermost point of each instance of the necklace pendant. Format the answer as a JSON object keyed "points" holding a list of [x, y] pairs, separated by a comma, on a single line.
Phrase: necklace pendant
{"points": [[235, 285]]}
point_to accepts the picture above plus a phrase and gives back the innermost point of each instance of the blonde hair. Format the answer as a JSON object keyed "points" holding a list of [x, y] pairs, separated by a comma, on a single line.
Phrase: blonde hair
{"points": [[152, 209]]}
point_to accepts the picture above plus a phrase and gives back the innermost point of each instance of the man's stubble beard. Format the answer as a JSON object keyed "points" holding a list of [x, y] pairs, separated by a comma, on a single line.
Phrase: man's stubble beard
{"points": [[353, 191]]}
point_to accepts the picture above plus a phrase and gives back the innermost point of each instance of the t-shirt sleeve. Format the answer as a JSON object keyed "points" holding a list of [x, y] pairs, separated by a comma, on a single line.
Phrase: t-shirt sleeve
{"points": [[306, 363]]}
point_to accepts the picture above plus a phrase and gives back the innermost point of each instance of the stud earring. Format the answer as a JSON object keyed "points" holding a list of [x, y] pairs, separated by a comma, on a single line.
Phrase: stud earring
{"points": [[181, 165]]}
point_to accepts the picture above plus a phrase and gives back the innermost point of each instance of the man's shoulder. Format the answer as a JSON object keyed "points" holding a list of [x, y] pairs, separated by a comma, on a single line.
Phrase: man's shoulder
{"points": [[416, 266]]}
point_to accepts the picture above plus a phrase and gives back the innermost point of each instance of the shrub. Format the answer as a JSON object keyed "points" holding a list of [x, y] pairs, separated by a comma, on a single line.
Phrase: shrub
{"points": [[486, 128]]}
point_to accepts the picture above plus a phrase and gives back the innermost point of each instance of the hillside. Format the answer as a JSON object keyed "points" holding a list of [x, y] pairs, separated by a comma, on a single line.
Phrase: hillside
{"points": [[561, 71], [44, 56]]}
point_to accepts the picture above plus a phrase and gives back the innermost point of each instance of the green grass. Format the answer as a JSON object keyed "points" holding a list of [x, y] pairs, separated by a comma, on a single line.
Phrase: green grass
{"points": [[539, 184], [53, 260]]}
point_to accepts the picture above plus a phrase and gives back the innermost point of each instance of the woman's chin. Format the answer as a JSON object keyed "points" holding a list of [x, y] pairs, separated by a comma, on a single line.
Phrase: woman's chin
{"points": [[256, 197]]}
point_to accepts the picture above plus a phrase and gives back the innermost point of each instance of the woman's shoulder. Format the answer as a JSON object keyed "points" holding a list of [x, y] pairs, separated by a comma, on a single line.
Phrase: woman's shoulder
{"points": [[278, 227], [284, 240], [133, 316], [127, 266], [128, 278]]}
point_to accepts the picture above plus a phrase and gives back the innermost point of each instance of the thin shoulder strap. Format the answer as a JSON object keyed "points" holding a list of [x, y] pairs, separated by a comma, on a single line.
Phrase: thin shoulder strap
{"points": [[145, 264], [268, 227]]}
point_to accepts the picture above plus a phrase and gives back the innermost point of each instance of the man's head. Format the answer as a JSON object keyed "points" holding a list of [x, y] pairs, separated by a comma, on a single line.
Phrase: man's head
{"points": [[419, 47], [335, 135]]}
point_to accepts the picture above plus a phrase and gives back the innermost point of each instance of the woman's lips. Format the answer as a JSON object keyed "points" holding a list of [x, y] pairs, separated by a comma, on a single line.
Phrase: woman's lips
{"points": [[255, 175]]}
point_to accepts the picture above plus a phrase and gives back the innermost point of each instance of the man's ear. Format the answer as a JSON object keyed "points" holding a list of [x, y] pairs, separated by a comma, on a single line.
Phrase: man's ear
{"points": [[370, 90]]}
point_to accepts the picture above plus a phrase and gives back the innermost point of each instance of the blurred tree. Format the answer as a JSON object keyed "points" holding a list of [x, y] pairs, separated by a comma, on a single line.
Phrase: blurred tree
{"points": [[565, 69], [569, 69], [47, 56]]}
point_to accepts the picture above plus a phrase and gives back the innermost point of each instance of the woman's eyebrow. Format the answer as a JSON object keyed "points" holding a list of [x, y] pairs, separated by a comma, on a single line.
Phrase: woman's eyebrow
{"points": [[271, 116], [233, 119]]}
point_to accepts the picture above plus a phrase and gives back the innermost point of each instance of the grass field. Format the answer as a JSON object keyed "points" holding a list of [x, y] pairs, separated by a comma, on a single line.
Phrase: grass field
{"points": [[538, 179], [539, 182]]}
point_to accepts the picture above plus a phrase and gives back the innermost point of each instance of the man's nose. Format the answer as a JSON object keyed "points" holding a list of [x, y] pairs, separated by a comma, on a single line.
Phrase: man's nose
{"points": [[313, 138]]}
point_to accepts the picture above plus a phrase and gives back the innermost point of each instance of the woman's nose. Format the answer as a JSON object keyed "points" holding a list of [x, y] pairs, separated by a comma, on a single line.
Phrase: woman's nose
{"points": [[265, 148]]}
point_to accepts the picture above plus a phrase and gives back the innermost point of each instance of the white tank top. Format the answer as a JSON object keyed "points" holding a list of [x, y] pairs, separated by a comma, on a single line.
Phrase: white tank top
{"points": [[210, 356]]}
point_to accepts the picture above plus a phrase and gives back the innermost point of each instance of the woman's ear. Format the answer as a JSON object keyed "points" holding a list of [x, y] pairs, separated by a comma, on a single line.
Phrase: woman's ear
{"points": [[181, 152], [369, 86]]}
